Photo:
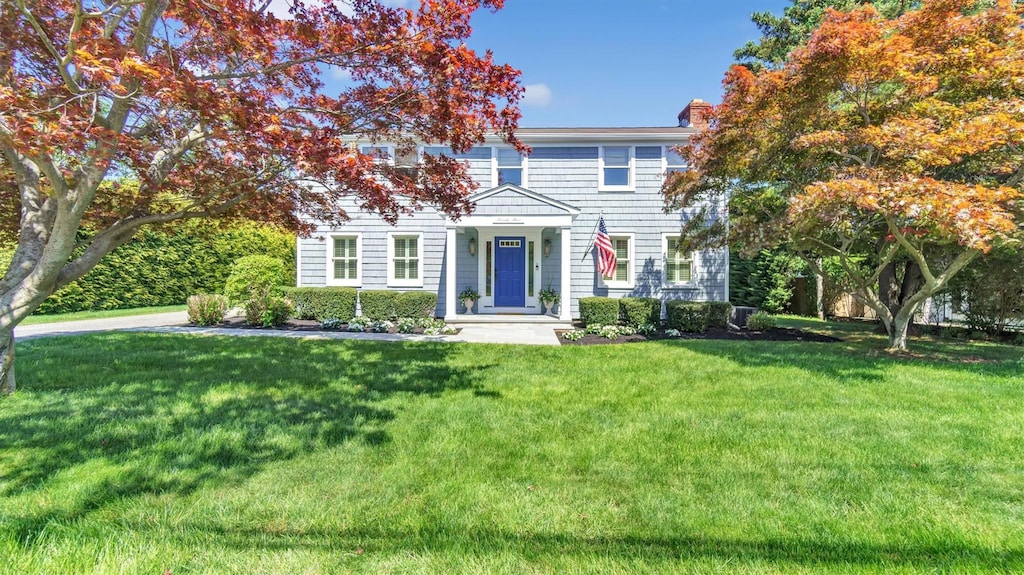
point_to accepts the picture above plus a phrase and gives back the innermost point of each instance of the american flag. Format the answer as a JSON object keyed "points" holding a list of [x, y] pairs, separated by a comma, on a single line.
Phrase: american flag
{"points": [[606, 260]]}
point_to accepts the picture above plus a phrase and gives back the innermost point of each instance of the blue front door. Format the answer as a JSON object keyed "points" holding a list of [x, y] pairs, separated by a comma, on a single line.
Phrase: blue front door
{"points": [[510, 272]]}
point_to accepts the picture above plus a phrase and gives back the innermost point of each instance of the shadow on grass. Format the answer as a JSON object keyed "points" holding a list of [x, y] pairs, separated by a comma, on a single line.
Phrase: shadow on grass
{"points": [[540, 547], [116, 415]]}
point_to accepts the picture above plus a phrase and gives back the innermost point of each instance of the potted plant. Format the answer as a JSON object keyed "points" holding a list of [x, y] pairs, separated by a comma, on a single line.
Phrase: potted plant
{"points": [[468, 297], [549, 297]]}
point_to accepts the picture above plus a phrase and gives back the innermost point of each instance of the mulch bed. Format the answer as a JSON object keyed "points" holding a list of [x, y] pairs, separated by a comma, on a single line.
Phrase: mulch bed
{"points": [[774, 334], [293, 325]]}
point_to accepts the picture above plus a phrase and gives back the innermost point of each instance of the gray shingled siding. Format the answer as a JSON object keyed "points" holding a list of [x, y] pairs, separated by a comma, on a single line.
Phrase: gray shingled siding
{"points": [[567, 174]]}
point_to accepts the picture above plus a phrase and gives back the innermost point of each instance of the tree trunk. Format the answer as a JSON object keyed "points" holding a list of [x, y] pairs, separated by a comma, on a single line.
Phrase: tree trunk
{"points": [[898, 332], [7, 385], [819, 284]]}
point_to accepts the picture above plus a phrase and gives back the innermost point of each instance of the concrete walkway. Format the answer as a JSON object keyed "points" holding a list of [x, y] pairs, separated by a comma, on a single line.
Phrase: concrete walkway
{"points": [[176, 322]]}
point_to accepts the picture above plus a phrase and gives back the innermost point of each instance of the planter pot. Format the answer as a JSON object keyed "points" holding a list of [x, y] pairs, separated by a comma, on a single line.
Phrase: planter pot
{"points": [[469, 305], [548, 306]]}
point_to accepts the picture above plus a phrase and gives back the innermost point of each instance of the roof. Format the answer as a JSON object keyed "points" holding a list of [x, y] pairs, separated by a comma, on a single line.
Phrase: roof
{"points": [[666, 134]]}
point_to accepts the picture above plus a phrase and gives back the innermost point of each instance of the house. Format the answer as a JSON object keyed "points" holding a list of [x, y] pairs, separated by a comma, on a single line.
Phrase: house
{"points": [[533, 228]]}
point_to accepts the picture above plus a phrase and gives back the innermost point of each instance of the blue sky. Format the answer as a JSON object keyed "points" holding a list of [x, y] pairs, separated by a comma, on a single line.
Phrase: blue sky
{"points": [[613, 63]]}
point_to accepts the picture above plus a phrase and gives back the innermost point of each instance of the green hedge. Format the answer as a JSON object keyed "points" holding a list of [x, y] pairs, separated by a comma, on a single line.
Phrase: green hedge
{"points": [[599, 310], [253, 277], [719, 313], [416, 304], [378, 304], [165, 266], [322, 303], [687, 316], [638, 311]]}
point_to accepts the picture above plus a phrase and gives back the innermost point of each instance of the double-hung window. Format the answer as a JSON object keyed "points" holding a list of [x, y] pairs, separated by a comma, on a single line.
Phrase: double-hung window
{"points": [[510, 167], [678, 266], [623, 276], [379, 153], [405, 261], [673, 161], [345, 266], [616, 169]]}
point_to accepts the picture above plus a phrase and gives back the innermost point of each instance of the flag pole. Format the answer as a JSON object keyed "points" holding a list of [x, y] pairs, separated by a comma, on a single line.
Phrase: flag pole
{"points": [[593, 234]]}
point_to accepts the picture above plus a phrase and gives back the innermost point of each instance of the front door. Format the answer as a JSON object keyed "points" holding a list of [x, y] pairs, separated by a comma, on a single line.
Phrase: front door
{"points": [[510, 272]]}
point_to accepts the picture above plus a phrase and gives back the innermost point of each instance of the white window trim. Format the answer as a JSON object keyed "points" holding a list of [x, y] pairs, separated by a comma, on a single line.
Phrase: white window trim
{"points": [[394, 282], [330, 279], [629, 187], [525, 161], [631, 270], [664, 266]]}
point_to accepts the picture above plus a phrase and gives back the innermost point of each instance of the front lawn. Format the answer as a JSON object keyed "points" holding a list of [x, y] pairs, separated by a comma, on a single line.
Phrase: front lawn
{"points": [[147, 453]]}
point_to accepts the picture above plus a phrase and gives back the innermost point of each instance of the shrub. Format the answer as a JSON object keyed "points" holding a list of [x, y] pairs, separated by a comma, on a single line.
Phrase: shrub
{"points": [[599, 310], [761, 321], [332, 323], [253, 277], [405, 325], [323, 303], [687, 316], [574, 335], [207, 309], [377, 304], [719, 313], [267, 310], [638, 311], [415, 304]]}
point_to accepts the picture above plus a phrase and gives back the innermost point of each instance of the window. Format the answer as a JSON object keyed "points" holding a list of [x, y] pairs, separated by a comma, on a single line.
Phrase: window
{"points": [[345, 266], [405, 264], [510, 167], [379, 153], [616, 165], [673, 161], [678, 266], [623, 246]]}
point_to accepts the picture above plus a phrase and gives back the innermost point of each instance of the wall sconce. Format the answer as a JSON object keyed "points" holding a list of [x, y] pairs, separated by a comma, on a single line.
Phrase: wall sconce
{"points": [[547, 248], [472, 246]]}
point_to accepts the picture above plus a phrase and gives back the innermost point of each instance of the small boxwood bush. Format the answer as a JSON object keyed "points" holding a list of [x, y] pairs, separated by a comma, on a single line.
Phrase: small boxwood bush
{"points": [[687, 316], [415, 304], [378, 303], [599, 310], [323, 303], [207, 309], [267, 310], [719, 313], [761, 321], [638, 311]]}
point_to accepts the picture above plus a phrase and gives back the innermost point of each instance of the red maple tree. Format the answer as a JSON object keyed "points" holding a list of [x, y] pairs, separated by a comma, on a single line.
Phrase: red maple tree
{"points": [[894, 146], [218, 109]]}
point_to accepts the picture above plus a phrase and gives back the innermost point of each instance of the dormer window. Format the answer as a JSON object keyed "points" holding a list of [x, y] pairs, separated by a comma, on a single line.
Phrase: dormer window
{"points": [[510, 167], [673, 161]]}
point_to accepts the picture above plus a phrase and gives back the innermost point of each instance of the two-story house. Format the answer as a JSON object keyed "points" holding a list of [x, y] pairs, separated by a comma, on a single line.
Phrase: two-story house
{"points": [[533, 228]]}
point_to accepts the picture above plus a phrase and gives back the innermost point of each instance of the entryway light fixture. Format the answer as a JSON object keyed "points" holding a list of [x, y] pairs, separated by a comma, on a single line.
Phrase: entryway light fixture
{"points": [[547, 248], [472, 246]]}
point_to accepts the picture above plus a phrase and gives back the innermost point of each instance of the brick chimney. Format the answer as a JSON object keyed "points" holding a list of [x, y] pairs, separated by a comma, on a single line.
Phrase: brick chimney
{"points": [[695, 114]]}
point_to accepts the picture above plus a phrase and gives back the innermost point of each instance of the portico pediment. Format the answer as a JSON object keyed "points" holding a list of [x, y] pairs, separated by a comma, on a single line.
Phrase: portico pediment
{"points": [[510, 200]]}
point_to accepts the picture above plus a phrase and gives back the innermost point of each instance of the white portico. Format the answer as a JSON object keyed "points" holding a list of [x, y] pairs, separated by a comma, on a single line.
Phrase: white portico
{"points": [[517, 242]]}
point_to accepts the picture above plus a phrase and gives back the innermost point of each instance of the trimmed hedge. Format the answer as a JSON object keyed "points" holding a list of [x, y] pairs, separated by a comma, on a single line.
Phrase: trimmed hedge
{"points": [[416, 304], [164, 266], [378, 304], [638, 311], [687, 316], [323, 303], [599, 310], [719, 313]]}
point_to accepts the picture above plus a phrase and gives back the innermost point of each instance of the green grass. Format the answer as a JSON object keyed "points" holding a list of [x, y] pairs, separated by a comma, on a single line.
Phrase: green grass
{"points": [[262, 455], [100, 314]]}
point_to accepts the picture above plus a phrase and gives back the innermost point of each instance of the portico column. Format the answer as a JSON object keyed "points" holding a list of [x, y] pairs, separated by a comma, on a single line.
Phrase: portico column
{"points": [[565, 312], [449, 280]]}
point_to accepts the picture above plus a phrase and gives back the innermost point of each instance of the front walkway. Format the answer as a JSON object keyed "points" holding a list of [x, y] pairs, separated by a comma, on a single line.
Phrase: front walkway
{"points": [[176, 322]]}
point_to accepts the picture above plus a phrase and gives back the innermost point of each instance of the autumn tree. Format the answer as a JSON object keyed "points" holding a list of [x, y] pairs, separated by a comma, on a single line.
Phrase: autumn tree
{"points": [[218, 109], [879, 141]]}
